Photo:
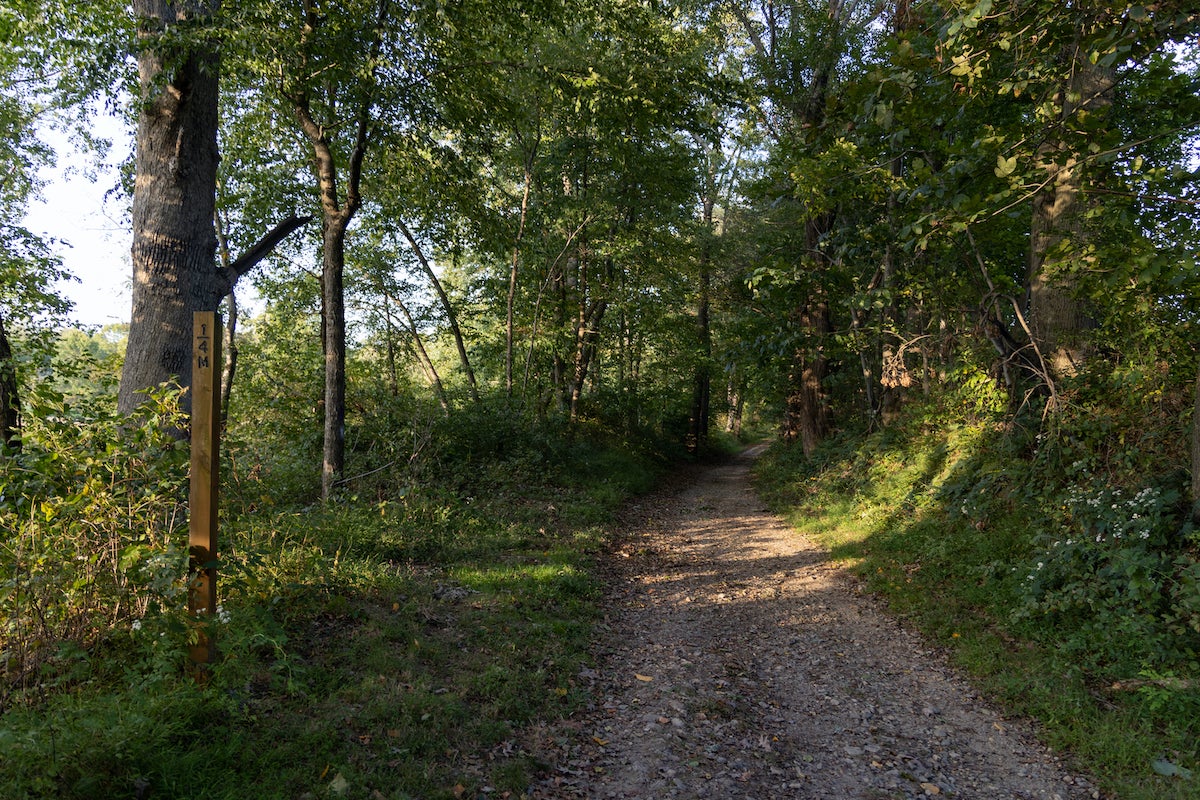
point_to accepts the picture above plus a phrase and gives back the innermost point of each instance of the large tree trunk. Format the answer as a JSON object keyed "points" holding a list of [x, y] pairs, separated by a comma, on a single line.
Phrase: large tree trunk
{"points": [[10, 403], [807, 417], [174, 243], [1057, 317], [333, 294]]}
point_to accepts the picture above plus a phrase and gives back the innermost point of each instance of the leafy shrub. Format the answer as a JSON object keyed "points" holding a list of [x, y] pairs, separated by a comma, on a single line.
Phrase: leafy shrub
{"points": [[92, 510], [1112, 573]]}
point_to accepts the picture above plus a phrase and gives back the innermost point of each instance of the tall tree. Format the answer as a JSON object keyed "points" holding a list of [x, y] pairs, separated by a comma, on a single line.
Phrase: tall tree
{"points": [[801, 51], [323, 67], [174, 243]]}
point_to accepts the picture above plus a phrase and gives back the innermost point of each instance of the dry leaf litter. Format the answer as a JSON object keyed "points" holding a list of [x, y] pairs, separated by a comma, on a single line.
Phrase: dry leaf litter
{"points": [[738, 662]]}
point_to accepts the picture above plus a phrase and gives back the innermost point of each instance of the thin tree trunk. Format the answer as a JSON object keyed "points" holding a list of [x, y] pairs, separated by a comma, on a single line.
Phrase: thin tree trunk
{"points": [[554, 279], [733, 419], [807, 417], [431, 372], [447, 307], [335, 219], [510, 305], [229, 349], [231, 357], [10, 400], [889, 353], [587, 332], [390, 341], [1196, 452], [702, 380]]}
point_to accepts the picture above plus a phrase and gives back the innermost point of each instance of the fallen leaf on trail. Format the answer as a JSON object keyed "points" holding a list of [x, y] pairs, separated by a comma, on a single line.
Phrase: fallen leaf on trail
{"points": [[599, 741], [644, 678], [1164, 767], [339, 785], [458, 790]]}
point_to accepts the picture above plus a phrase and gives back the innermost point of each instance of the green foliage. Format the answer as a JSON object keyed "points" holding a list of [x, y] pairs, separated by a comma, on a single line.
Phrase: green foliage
{"points": [[1109, 576], [91, 508], [579, 178], [273, 440], [1056, 564], [435, 610]]}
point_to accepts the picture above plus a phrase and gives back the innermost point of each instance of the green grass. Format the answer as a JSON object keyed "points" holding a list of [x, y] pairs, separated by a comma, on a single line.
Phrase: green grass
{"points": [[393, 650], [946, 523]]}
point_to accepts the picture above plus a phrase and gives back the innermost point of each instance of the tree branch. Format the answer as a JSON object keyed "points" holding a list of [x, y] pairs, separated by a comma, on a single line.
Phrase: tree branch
{"points": [[227, 277]]}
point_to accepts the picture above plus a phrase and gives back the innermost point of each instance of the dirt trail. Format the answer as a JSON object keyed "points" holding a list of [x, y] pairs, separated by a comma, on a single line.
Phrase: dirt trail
{"points": [[739, 663]]}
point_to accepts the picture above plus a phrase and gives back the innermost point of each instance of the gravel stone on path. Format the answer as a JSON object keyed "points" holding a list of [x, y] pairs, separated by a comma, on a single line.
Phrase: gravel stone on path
{"points": [[738, 662]]}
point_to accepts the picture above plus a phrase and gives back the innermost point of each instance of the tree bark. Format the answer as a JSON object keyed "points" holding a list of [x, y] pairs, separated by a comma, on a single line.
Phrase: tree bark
{"points": [[587, 333], [702, 380], [335, 218], [231, 357], [807, 416], [435, 380], [174, 243], [735, 402], [333, 256], [1057, 317], [510, 305]]}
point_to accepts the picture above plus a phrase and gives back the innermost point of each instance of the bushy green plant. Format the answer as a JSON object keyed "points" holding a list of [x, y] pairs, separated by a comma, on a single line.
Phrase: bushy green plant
{"points": [[92, 509], [1108, 573]]}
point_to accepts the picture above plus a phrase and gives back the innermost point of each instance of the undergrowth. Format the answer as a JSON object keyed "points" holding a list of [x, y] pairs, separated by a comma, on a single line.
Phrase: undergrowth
{"points": [[395, 642], [1053, 559]]}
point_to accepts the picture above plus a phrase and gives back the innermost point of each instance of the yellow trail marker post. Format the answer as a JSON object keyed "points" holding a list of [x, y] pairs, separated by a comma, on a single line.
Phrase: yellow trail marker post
{"points": [[205, 481]]}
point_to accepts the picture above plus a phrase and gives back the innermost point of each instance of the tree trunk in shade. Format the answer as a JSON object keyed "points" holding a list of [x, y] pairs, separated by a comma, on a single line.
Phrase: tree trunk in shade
{"points": [[1058, 318]]}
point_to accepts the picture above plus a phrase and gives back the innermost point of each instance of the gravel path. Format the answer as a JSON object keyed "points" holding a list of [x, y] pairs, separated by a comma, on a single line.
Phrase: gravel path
{"points": [[737, 662]]}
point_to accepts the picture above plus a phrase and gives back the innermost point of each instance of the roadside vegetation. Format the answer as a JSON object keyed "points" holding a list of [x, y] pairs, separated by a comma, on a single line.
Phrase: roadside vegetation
{"points": [[394, 643], [1053, 558]]}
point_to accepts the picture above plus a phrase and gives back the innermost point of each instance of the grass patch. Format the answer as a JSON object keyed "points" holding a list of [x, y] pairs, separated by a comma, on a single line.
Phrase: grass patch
{"points": [[397, 649], [973, 533]]}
